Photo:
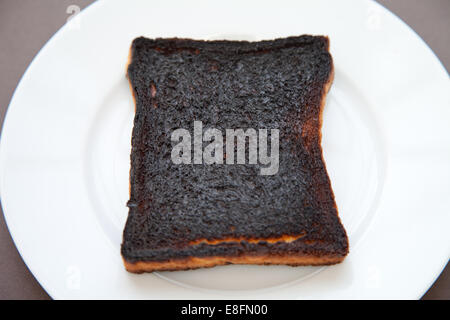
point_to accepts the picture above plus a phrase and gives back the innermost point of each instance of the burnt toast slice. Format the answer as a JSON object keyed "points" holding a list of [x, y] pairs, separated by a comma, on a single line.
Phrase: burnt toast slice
{"points": [[187, 216]]}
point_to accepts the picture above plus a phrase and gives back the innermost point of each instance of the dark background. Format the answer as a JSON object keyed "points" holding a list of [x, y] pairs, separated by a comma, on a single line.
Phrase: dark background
{"points": [[26, 25]]}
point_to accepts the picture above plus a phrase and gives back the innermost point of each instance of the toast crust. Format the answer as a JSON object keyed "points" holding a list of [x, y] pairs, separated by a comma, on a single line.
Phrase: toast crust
{"points": [[208, 262]]}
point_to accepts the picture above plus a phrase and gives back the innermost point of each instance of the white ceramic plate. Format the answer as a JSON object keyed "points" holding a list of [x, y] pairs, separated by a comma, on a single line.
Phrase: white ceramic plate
{"points": [[65, 147]]}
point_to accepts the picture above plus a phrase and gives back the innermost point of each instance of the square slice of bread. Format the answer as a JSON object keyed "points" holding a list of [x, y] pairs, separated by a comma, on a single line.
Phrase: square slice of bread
{"points": [[186, 216]]}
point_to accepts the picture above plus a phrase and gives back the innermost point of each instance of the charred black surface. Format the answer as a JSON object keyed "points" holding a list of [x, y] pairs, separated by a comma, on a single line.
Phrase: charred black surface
{"points": [[275, 84]]}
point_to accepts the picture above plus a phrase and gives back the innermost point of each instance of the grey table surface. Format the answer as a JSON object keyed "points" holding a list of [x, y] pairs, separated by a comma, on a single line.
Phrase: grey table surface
{"points": [[26, 25]]}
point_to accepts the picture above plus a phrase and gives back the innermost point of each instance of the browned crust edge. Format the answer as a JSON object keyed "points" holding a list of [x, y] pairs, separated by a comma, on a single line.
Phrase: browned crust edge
{"points": [[208, 262]]}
